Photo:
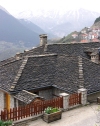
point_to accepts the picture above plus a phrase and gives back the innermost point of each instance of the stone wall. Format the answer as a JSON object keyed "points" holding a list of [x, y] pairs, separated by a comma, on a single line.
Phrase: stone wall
{"points": [[46, 94], [11, 101], [26, 121], [16, 103], [56, 92], [1, 100], [93, 97]]}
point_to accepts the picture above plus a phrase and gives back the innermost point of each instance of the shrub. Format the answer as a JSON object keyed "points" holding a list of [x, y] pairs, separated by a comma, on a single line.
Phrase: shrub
{"points": [[50, 110], [5, 123]]}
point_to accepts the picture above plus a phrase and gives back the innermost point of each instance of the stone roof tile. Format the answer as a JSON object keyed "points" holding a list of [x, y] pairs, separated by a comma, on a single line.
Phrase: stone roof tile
{"points": [[8, 73], [26, 97]]}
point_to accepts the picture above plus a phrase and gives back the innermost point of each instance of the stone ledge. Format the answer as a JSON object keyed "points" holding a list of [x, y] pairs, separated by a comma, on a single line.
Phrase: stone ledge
{"points": [[43, 55], [26, 121]]}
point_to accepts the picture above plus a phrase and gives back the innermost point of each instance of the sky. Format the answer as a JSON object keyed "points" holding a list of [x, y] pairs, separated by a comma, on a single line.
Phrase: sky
{"points": [[16, 6]]}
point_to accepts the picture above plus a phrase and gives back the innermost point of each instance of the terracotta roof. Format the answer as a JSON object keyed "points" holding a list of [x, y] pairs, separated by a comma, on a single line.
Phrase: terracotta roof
{"points": [[95, 40], [84, 41], [74, 34]]}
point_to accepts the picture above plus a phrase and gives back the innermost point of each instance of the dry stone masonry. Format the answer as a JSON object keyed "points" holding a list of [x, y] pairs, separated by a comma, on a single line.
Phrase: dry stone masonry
{"points": [[81, 79]]}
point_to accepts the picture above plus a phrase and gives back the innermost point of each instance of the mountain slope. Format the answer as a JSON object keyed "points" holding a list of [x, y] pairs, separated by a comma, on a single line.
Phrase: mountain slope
{"points": [[2, 8], [97, 20], [68, 38], [31, 26], [96, 24], [14, 36], [89, 33], [61, 24], [77, 19], [11, 30]]}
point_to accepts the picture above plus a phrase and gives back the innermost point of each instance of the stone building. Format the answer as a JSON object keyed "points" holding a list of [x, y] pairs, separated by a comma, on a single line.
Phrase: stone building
{"points": [[48, 70]]}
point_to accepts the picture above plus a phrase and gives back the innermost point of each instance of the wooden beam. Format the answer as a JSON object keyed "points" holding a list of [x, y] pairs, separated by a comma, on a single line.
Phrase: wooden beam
{"points": [[7, 101]]}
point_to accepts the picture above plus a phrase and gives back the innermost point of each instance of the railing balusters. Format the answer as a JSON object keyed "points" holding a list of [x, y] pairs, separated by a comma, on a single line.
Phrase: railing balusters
{"points": [[30, 110]]}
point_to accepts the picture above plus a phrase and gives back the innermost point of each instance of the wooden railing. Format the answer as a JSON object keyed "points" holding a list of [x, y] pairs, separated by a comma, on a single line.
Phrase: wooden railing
{"points": [[30, 110], [75, 99]]}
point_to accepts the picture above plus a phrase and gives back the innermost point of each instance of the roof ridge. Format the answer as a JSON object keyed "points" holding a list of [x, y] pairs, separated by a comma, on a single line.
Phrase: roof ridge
{"points": [[30, 93], [14, 60], [42, 55], [69, 43], [18, 74], [81, 78]]}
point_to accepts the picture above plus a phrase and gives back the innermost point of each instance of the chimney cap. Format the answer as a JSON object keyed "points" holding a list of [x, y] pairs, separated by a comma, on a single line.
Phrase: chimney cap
{"points": [[43, 35], [17, 53], [26, 50]]}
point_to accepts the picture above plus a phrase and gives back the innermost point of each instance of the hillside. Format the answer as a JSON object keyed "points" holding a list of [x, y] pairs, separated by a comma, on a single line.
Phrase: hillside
{"points": [[8, 49], [11, 30], [97, 20], [96, 25], [86, 34], [60, 24], [32, 26], [68, 38], [15, 36]]}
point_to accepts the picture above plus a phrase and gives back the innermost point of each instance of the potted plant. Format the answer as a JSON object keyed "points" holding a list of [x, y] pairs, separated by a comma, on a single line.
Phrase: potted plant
{"points": [[51, 114], [5, 123]]}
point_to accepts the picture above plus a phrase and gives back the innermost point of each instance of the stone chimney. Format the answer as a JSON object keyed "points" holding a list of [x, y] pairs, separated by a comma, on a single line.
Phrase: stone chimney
{"points": [[43, 39], [95, 57], [18, 56], [26, 50]]}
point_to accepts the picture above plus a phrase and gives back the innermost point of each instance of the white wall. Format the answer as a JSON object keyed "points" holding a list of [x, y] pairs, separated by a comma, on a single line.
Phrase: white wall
{"points": [[1, 100], [11, 101], [56, 92]]}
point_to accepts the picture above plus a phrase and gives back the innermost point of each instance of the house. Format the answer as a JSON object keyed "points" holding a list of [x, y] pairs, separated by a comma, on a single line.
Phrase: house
{"points": [[85, 30], [95, 40], [47, 70], [74, 35]]}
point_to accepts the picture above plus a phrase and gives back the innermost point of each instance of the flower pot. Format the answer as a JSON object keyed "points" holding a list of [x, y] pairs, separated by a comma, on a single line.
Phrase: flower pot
{"points": [[52, 117]]}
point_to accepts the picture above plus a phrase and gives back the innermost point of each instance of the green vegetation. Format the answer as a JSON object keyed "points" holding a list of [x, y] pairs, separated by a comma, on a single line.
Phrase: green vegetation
{"points": [[8, 49], [5, 123], [68, 38], [97, 20], [50, 110]]}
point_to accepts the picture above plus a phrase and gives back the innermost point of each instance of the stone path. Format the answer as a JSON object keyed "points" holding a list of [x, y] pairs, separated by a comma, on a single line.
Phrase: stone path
{"points": [[82, 116]]}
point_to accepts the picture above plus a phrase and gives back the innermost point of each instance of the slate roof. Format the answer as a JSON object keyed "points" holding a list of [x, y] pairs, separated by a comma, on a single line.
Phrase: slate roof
{"points": [[91, 50], [4, 62], [74, 49], [39, 72], [67, 73], [53, 65], [26, 97], [8, 73], [35, 51], [91, 76]]}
